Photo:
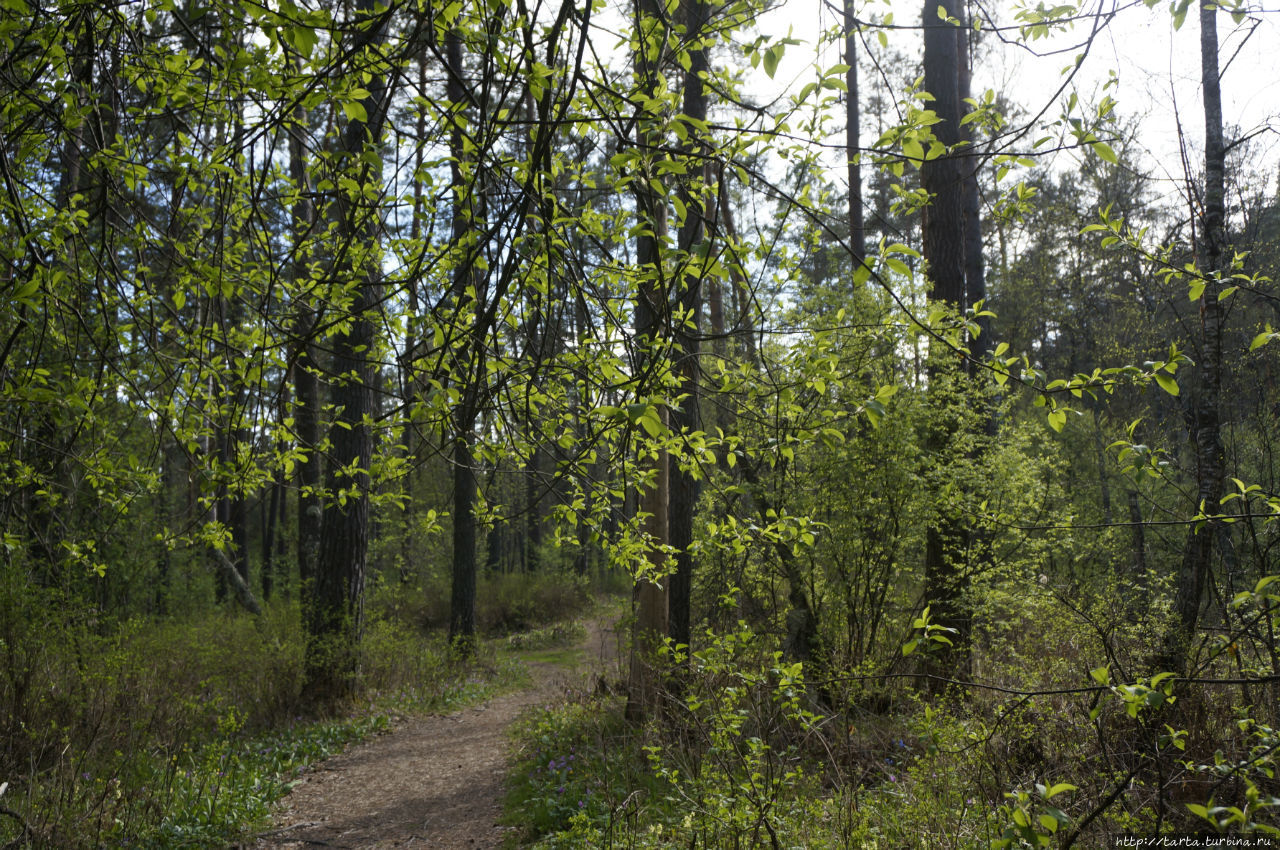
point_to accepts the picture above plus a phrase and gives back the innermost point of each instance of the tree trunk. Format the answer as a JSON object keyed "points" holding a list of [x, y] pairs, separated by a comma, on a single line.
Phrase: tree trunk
{"points": [[684, 487], [462, 598], [853, 116], [306, 383], [337, 616], [652, 312], [945, 577], [1205, 406], [470, 368]]}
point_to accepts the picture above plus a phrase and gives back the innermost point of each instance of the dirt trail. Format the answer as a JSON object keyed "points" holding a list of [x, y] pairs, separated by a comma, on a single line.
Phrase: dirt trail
{"points": [[433, 782]]}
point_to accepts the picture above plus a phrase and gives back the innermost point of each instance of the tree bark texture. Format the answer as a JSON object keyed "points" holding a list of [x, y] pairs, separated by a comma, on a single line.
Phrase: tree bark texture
{"points": [[944, 251], [1205, 404], [337, 614], [853, 116], [306, 383], [652, 320], [685, 418]]}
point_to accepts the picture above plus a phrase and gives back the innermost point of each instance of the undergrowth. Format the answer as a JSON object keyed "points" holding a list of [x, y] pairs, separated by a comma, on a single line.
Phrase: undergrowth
{"points": [[184, 733], [741, 754]]}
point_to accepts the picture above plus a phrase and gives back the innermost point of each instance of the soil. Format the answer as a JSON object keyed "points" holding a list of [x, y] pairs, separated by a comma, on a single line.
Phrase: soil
{"points": [[432, 782]]}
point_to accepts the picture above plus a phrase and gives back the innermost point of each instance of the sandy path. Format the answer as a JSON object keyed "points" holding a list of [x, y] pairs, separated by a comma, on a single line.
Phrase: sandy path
{"points": [[432, 782]]}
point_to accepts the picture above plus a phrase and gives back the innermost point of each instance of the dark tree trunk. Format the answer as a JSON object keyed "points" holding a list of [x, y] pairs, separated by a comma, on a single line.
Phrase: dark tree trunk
{"points": [[944, 251], [306, 383], [652, 312], [975, 270], [944, 235], [462, 599], [685, 489], [470, 370], [853, 117], [338, 611], [1204, 400]]}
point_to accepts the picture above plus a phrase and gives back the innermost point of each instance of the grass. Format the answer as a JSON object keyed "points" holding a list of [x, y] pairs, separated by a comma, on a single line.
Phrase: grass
{"points": [[184, 734]]}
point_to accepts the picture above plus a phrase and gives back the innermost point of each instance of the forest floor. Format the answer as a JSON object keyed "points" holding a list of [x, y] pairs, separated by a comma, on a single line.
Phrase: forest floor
{"points": [[437, 781]]}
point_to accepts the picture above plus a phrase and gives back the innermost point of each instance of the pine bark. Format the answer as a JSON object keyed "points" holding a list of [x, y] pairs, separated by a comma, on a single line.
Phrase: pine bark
{"points": [[1205, 401], [652, 313], [685, 418], [853, 116], [944, 252], [337, 615]]}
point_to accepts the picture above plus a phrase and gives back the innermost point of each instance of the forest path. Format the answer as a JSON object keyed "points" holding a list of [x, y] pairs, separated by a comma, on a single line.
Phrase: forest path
{"points": [[432, 782]]}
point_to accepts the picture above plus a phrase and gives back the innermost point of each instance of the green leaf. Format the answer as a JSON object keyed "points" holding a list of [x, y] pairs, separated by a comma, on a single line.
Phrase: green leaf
{"points": [[771, 57], [355, 111], [1167, 383], [304, 39], [1262, 339], [1054, 790], [651, 422], [26, 290], [1057, 418], [1105, 151]]}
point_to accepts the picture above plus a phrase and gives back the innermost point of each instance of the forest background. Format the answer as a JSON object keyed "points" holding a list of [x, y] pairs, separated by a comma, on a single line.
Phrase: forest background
{"points": [[932, 424]]}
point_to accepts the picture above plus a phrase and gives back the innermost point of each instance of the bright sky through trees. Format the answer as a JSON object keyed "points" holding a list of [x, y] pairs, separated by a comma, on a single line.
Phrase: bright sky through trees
{"points": [[1156, 67]]}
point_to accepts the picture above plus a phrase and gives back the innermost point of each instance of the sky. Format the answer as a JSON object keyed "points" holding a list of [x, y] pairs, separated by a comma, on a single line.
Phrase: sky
{"points": [[1157, 68]]}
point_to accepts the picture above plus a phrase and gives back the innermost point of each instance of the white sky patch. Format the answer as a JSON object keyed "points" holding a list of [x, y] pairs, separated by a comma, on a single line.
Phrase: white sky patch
{"points": [[1157, 68]]}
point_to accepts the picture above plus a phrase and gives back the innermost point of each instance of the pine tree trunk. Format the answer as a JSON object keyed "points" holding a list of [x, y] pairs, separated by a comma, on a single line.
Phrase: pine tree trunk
{"points": [[1193, 573], [853, 117], [337, 616], [944, 252], [306, 383], [684, 487], [652, 309]]}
